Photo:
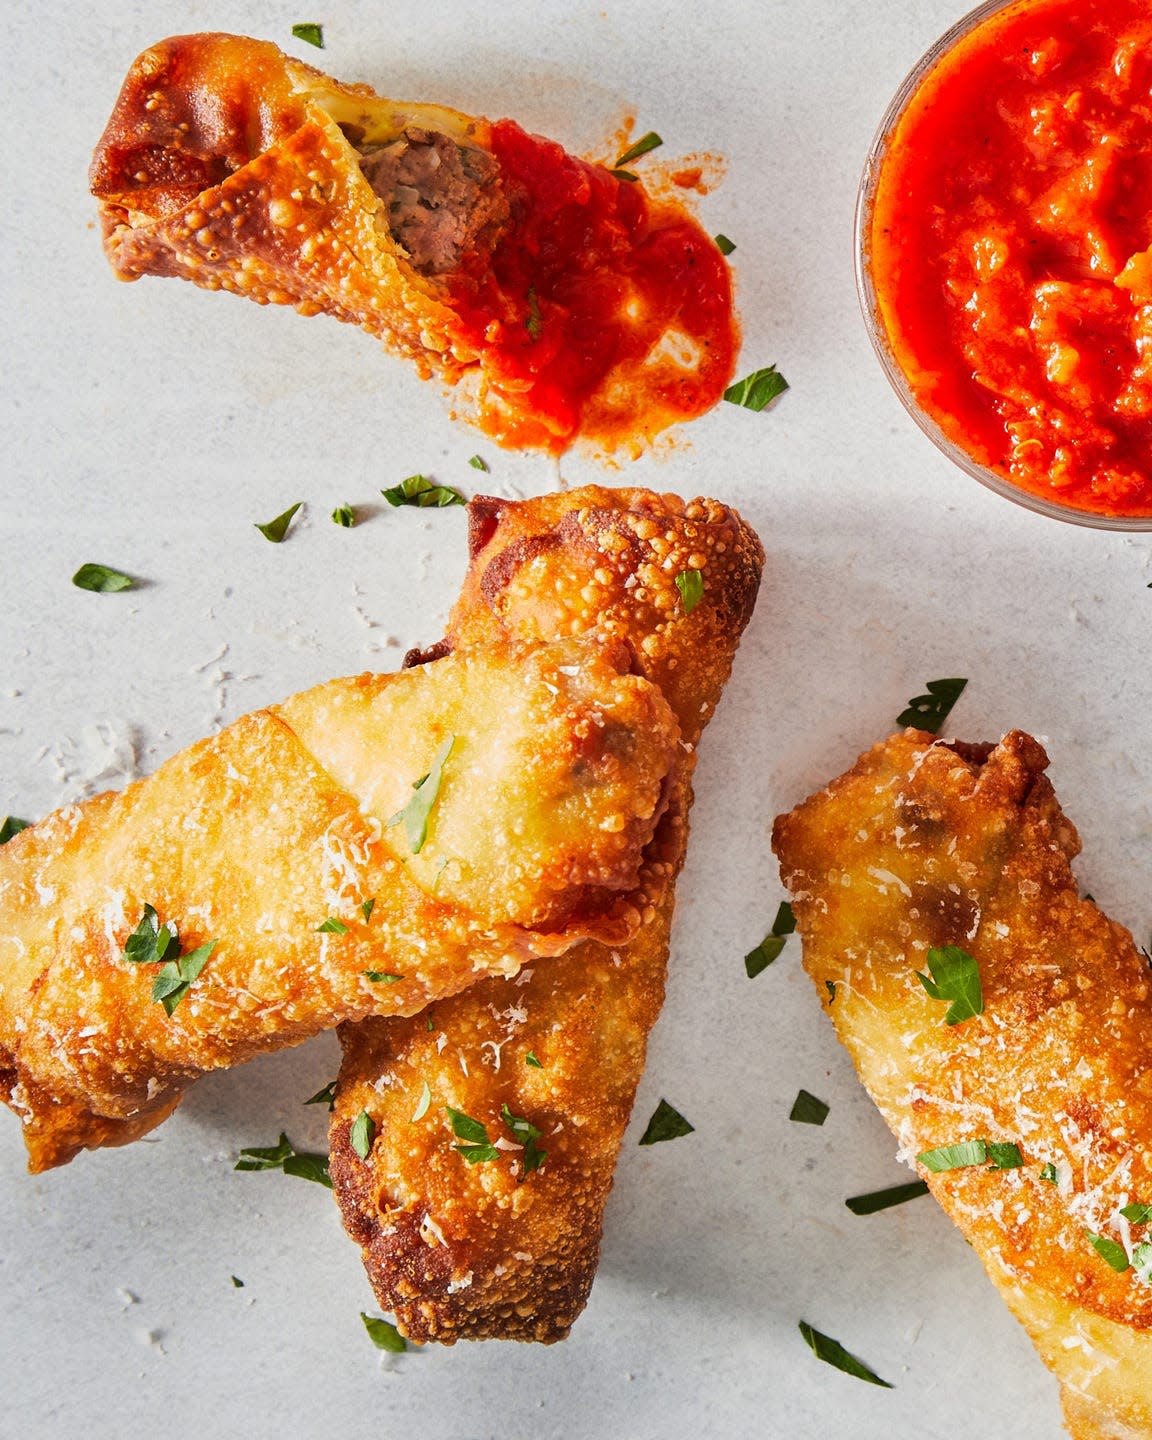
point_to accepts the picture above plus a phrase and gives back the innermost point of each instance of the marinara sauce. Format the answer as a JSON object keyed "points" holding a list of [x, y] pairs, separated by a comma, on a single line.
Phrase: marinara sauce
{"points": [[1009, 249], [600, 312]]}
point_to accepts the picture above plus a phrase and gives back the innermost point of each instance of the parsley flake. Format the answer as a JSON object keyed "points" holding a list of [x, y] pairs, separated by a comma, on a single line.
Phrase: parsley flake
{"points": [[367, 907], [758, 390], [534, 323], [770, 947], [955, 976], [327, 1096], [651, 141], [808, 1110], [152, 943], [1137, 1214], [382, 977], [275, 530], [478, 462], [954, 1157], [834, 1354], [237, 1283], [724, 245], [477, 1146], [530, 1059], [1005, 1155], [362, 1134], [383, 1334], [418, 810], [1048, 1172], [526, 1134], [12, 826], [418, 490], [102, 579], [1110, 1251], [928, 712], [311, 34], [666, 1124], [629, 175], [877, 1200], [690, 584], [284, 1156], [344, 515], [332, 926], [830, 986], [425, 1100]]}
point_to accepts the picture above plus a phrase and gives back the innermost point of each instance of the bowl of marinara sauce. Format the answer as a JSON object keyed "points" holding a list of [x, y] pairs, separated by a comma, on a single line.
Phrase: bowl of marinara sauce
{"points": [[1004, 253]]}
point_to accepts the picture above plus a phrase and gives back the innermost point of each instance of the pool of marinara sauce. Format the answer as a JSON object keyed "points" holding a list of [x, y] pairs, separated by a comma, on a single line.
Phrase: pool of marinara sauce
{"points": [[589, 276], [1008, 248]]}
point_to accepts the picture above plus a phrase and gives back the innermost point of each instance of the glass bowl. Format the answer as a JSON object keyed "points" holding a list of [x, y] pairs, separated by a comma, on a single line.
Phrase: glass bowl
{"points": [[877, 332]]}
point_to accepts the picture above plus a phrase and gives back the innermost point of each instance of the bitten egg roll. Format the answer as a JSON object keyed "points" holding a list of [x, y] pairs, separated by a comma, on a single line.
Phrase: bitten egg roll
{"points": [[364, 848], [464, 1245], [578, 304], [936, 872]]}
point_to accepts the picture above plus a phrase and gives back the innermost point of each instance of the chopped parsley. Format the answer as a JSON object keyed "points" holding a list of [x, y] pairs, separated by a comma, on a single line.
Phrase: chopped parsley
{"points": [[651, 141], [476, 1145], [367, 907], [757, 390], [426, 494], [311, 34], [362, 1134], [383, 1334], [1005, 1155], [834, 1354], [12, 826], [877, 1200], [284, 1156], [478, 462], [1137, 1214], [327, 1096], [770, 947], [425, 1100], [724, 245], [1048, 1172], [535, 322], [415, 815], [154, 944], [808, 1110], [666, 1124], [928, 712], [525, 1134], [1110, 1251], [382, 977], [954, 1157], [344, 515], [955, 977], [690, 584], [237, 1283], [102, 579], [332, 926], [530, 1059], [275, 530], [830, 986]]}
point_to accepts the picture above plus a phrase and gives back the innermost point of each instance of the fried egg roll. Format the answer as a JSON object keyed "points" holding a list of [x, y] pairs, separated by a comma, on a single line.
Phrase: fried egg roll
{"points": [[504, 1242], [936, 872]]}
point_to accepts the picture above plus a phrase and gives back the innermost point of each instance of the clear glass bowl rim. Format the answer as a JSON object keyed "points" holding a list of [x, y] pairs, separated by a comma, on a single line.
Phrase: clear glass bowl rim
{"points": [[867, 295]]}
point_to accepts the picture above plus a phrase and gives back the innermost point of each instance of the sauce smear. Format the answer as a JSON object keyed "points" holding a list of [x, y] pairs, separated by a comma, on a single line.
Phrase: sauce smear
{"points": [[599, 313], [1009, 249]]}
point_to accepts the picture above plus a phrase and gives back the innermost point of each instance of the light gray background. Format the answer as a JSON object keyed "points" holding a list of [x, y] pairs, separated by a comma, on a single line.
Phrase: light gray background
{"points": [[148, 426]]}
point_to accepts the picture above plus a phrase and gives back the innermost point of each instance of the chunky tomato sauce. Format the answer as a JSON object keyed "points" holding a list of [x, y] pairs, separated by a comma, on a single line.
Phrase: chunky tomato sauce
{"points": [[600, 312], [1010, 249]]}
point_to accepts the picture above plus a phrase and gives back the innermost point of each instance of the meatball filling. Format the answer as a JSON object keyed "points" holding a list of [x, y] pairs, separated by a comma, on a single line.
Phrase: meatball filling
{"points": [[440, 196]]}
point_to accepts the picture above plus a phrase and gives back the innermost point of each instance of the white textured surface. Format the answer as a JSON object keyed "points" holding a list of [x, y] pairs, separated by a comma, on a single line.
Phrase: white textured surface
{"points": [[149, 426]]}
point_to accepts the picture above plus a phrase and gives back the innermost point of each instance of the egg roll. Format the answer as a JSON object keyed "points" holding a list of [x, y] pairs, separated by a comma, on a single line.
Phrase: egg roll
{"points": [[935, 866], [547, 1063], [366, 847], [575, 303]]}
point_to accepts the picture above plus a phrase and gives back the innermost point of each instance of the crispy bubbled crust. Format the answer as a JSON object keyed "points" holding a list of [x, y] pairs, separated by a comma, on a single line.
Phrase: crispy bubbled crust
{"points": [[924, 843], [472, 1252]]}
